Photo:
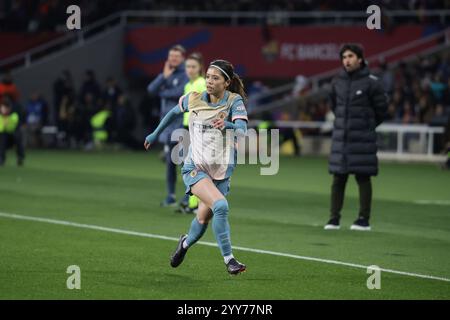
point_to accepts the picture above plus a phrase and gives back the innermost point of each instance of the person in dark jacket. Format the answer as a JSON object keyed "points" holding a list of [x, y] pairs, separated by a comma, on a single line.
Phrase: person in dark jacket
{"points": [[169, 86], [359, 104], [10, 131]]}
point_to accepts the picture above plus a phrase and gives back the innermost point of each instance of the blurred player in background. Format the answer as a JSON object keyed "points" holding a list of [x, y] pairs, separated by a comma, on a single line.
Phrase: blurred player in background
{"points": [[169, 86], [10, 133], [446, 164], [359, 104], [197, 83], [212, 157]]}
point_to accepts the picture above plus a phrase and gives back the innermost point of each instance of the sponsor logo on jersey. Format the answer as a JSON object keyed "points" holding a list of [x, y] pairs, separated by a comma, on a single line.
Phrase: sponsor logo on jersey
{"points": [[240, 107]]}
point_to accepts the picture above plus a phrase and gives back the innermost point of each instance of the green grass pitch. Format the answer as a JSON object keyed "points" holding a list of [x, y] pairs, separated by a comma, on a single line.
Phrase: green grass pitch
{"points": [[283, 213]]}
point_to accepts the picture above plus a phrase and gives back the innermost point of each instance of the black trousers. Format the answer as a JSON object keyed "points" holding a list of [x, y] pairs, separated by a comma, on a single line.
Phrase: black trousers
{"points": [[289, 134], [338, 192], [7, 140]]}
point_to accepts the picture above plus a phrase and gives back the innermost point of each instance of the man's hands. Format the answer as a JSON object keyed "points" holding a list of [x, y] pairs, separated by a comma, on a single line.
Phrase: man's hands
{"points": [[168, 70]]}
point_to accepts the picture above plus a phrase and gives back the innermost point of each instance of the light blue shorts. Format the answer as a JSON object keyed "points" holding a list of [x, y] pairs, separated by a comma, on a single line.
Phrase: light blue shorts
{"points": [[193, 176]]}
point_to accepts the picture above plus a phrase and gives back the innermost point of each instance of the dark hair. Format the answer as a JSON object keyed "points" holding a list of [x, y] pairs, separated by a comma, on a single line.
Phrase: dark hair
{"points": [[356, 49], [197, 56], [6, 101], [236, 84], [178, 47]]}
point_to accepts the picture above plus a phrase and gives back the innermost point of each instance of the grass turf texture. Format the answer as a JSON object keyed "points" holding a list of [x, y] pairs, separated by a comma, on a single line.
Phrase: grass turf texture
{"points": [[282, 213]]}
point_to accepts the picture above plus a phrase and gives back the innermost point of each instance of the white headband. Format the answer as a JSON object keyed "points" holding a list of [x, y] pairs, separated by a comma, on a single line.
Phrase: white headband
{"points": [[213, 65]]}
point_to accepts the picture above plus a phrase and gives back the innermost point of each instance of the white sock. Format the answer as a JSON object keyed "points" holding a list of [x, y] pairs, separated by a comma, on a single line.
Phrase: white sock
{"points": [[228, 258], [185, 244]]}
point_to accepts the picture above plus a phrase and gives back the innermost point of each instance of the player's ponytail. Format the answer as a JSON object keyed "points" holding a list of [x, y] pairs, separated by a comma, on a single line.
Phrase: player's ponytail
{"points": [[227, 70], [237, 86]]}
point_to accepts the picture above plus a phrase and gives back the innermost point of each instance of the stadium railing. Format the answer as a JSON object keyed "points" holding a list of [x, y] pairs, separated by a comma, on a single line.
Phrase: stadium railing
{"points": [[279, 17], [182, 17], [65, 42], [399, 142]]}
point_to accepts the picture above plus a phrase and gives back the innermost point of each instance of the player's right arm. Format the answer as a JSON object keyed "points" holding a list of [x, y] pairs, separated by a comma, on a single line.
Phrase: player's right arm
{"points": [[175, 112]]}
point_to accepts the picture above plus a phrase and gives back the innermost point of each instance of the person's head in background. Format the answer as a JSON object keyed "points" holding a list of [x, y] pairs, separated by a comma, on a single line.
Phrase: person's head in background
{"points": [[194, 66], [352, 57], [89, 76], [176, 56], [5, 107], [122, 100], [439, 111], [110, 82]]}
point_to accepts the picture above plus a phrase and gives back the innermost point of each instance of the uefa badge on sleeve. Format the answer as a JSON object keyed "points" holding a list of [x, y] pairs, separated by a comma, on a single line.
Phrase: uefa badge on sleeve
{"points": [[193, 173]]}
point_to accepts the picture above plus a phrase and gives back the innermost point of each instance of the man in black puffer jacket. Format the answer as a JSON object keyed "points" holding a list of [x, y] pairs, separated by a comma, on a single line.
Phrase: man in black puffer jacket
{"points": [[359, 104]]}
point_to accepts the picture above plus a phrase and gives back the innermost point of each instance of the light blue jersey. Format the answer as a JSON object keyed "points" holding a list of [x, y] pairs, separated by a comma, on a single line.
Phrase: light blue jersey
{"points": [[212, 151]]}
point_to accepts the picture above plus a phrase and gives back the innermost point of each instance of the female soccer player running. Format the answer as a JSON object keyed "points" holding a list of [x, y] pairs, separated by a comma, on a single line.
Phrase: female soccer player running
{"points": [[212, 157], [197, 83]]}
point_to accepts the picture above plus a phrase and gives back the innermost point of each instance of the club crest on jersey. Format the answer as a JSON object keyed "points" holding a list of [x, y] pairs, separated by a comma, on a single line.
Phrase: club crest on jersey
{"points": [[193, 173], [222, 115]]}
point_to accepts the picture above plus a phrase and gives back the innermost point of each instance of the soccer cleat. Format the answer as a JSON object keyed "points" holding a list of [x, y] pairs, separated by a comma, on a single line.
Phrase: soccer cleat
{"points": [[184, 208], [181, 207], [362, 224], [333, 224], [179, 253], [190, 210], [234, 267]]}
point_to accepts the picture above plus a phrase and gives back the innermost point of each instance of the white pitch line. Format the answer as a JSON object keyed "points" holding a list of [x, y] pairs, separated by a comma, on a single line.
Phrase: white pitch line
{"points": [[155, 236], [434, 202]]}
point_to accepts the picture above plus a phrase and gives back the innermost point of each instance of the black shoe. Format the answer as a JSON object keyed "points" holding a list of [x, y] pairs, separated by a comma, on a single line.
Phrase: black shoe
{"points": [[235, 267], [333, 224], [179, 253], [181, 207], [184, 208], [20, 162], [190, 210], [362, 224]]}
